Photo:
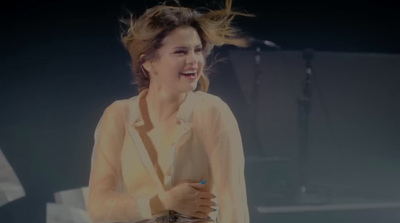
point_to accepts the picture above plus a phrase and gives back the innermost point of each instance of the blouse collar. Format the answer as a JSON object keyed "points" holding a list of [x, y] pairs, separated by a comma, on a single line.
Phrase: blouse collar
{"points": [[185, 110]]}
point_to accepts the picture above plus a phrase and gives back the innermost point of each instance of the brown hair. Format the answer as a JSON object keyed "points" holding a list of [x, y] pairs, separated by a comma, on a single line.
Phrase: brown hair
{"points": [[145, 34]]}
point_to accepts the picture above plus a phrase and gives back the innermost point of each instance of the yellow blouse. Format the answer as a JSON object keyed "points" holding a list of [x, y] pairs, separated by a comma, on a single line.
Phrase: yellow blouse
{"points": [[123, 178]]}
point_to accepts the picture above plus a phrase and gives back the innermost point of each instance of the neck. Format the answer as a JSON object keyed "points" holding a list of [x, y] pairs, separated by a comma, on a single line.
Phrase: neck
{"points": [[162, 104]]}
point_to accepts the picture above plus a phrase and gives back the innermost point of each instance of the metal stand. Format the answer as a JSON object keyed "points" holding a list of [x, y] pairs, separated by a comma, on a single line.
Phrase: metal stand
{"points": [[254, 137], [253, 106], [303, 193]]}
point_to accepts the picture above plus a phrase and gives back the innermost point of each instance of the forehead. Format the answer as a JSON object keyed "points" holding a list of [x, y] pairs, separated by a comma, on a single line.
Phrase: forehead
{"points": [[182, 36]]}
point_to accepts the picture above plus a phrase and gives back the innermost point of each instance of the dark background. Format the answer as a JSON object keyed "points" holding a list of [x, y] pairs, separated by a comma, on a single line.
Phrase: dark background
{"points": [[62, 63], [345, 26]]}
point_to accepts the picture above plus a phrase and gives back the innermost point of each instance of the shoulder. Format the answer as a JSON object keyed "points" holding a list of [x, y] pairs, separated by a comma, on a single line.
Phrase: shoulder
{"points": [[210, 103], [118, 106], [211, 112], [209, 99], [212, 109], [119, 109]]}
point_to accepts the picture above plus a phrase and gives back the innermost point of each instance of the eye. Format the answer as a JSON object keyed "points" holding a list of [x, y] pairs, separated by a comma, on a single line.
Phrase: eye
{"points": [[199, 50], [180, 52]]}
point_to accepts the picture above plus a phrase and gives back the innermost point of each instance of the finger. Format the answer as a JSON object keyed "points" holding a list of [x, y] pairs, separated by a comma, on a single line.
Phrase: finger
{"points": [[207, 202], [198, 186], [205, 209], [206, 195]]}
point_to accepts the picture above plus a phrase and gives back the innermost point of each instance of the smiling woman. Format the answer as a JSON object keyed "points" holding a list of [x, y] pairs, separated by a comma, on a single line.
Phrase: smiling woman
{"points": [[179, 62], [145, 35], [153, 151]]}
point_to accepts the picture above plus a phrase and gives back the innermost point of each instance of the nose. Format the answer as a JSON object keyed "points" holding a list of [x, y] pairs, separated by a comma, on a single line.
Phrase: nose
{"points": [[193, 58]]}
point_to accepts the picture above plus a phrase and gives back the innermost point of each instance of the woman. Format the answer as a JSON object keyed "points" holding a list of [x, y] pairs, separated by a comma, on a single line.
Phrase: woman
{"points": [[152, 151]]}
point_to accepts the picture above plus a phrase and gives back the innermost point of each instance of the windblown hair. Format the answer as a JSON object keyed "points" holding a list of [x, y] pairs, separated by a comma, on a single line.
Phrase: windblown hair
{"points": [[145, 34]]}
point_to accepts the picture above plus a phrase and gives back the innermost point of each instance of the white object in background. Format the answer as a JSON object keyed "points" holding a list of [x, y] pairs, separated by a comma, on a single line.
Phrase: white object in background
{"points": [[70, 207], [76, 198], [10, 187], [59, 213]]}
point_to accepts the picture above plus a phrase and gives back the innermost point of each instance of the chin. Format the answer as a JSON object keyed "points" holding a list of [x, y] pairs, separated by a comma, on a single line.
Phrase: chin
{"points": [[187, 87], [193, 86]]}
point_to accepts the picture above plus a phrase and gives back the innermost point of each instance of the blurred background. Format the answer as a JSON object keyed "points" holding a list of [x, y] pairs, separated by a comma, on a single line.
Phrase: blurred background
{"points": [[319, 116]]}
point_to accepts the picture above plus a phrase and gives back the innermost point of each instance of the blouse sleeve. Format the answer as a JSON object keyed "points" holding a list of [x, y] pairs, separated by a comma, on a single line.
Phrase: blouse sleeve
{"points": [[227, 166], [105, 202]]}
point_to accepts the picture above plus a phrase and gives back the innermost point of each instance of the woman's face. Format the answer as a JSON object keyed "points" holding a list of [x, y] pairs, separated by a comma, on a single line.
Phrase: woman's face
{"points": [[179, 63]]}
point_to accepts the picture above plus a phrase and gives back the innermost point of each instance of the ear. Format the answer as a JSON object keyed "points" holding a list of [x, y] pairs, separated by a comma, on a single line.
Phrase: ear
{"points": [[146, 64]]}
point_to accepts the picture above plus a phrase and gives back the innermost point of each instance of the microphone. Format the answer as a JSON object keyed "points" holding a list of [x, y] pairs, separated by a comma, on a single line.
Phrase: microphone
{"points": [[268, 43]]}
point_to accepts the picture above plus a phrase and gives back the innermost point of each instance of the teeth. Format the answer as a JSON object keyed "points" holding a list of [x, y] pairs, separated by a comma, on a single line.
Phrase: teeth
{"points": [[189, 73]]}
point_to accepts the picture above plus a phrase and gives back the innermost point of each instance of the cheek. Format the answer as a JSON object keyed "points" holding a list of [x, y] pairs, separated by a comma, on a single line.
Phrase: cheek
{"points": [[201, 62], [173, 65]]}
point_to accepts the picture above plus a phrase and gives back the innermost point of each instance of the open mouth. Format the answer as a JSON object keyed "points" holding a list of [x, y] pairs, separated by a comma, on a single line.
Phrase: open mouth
{"points": [[190, 74]]}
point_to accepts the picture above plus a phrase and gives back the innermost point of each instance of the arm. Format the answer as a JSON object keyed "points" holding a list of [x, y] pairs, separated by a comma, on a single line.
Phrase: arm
{"points": [[105, 203], [227, 166]]}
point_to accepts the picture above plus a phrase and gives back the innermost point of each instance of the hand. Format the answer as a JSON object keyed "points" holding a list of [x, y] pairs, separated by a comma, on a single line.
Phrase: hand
{"points": [[189, 199]]}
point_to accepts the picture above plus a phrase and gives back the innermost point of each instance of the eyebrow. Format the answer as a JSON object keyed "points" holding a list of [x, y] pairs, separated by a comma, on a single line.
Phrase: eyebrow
{"points": [[185, 47]]}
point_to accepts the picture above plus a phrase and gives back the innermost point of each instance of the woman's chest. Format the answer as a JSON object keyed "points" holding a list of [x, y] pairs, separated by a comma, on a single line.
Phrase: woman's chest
{"points": [[180, 157], [162, 137]]}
